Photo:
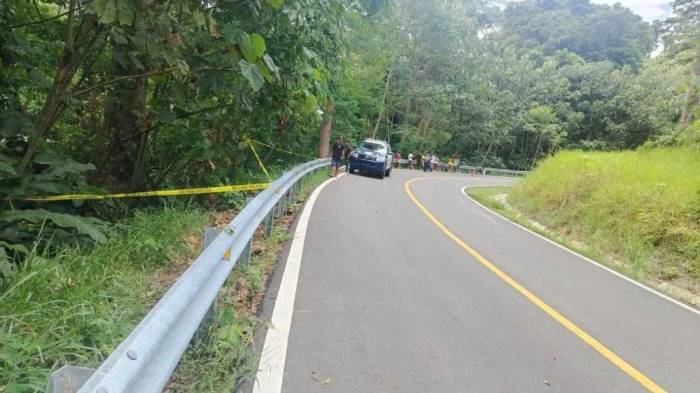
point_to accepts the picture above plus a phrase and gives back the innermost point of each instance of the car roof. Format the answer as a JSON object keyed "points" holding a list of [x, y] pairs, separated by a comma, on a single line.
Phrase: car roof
{"points": [[374, 141]]}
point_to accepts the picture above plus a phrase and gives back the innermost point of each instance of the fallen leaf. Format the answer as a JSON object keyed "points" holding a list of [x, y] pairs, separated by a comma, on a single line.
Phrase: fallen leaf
{"points": [[316, 376]]}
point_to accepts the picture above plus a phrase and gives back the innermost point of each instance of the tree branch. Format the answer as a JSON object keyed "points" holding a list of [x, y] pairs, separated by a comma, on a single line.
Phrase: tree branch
{"points": [[70, 38], [36, 22], [121, 78]]}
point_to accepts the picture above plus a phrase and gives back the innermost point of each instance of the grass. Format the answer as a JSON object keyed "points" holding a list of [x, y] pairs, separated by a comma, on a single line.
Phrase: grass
{"points": [[637, 211], [76, 306]]}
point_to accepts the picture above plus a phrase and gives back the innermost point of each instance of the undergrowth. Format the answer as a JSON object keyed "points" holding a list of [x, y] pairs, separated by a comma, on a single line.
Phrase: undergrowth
{"points": [[74, 307]]}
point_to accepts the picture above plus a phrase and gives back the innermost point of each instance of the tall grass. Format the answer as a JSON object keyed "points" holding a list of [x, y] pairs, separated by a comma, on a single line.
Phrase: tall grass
{"points": [[643, 206], [75, 306]]}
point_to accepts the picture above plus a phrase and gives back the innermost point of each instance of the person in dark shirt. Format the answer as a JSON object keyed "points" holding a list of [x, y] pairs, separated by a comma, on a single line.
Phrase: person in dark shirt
{"points": [[346, 156], [337, 150]]}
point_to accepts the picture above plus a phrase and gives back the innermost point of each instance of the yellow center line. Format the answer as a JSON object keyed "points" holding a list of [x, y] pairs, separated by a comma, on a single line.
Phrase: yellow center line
{"points": [[642, 379]]}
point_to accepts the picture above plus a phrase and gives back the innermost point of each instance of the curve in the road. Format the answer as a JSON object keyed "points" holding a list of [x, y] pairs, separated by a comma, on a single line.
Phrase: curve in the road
{"points": [[638, 376]]}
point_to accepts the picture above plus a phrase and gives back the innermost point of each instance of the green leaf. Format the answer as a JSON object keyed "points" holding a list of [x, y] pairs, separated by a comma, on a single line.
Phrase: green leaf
{"points": [[109, 13], [166, 117], [252, 73], [38, 216], [310, 104], [264, 71], [318, 76], [234, 35], [199, 19], [7, 168], [276, 4], [254, 48], [271, 65], [14, 247], [125, 14], [118, 37], [309, 53]]}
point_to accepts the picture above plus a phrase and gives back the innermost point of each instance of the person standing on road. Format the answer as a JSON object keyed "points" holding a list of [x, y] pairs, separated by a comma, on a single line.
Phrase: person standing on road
{"points": [[346, 156], [398, 159], [337, 150], [410, 161]]}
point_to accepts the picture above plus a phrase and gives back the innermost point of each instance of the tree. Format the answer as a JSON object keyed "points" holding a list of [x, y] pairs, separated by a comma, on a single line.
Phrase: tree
{"points": [[595, 32]]}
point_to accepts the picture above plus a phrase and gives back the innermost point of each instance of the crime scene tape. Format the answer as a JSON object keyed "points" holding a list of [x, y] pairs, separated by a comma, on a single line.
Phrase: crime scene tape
{"points": [[176, 192], [282, 150], [259, 160]]}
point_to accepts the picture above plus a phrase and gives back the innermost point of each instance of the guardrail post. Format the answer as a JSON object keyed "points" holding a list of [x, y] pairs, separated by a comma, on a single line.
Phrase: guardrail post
{"points": [[202, 333], [245, 254], [68, 379], [269, 222], [291, 196]]}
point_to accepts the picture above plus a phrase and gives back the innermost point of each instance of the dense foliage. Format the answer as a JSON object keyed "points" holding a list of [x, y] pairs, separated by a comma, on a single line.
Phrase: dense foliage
{"points": [[138, 94], [113, 95], [509, 87]]}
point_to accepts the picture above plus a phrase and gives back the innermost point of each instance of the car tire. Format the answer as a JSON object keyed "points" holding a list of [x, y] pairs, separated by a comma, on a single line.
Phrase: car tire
{"points": [[387, 173], [380, 175], [351, 170]]}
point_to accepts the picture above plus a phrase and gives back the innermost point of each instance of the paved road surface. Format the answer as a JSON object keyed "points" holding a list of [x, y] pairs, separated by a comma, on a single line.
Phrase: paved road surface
{"points": [[387, 302]]}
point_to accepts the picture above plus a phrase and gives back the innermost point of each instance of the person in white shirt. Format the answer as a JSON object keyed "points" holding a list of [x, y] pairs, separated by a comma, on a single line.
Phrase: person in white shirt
{"points": [[410, 161]]}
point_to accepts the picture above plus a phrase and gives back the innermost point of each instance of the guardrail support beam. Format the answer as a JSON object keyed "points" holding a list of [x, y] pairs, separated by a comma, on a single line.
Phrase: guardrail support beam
{"points": [[269, 223]]}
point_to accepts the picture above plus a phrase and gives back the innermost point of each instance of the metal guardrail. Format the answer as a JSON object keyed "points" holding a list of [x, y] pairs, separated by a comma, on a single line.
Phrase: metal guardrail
{"points": [[511, 172], [492, 171], [481, 170], [144, 361]]}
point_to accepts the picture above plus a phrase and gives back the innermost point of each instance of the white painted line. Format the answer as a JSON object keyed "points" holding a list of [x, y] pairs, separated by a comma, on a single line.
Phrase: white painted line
{"points": [[274, 352], [609, 270]]}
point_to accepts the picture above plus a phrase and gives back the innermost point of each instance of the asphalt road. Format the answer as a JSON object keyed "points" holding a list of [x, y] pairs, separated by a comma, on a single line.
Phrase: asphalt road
{"points": [[387, 302]]}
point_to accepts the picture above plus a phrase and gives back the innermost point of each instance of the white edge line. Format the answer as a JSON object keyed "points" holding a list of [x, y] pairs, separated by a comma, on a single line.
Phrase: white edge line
{"points": [[274, 352], [589, 260]]}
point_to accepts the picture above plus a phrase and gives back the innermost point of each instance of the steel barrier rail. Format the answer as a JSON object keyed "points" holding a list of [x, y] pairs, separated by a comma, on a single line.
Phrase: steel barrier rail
{"points": [[504, 171], [144, 361], [486, 171]]}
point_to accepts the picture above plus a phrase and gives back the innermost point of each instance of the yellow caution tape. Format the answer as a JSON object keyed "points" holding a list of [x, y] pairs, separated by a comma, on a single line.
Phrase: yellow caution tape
{"points": [[183, 191], [177, 192], [259, 160], [282, 150]]}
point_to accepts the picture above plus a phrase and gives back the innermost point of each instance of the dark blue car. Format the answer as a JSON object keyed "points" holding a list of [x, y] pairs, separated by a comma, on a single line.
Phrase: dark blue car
{"points": [[372, 156]]}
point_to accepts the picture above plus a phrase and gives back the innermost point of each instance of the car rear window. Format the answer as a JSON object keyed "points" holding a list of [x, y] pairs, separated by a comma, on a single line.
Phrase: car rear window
{"points": [[372, 146]]}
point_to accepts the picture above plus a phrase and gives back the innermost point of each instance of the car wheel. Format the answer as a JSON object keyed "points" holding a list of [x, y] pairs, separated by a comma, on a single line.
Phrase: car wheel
{"points": [[387, 173], [380, 175], [351, 170]]}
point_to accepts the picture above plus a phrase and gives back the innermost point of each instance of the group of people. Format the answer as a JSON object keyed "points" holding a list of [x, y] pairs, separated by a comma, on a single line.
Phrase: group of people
{"points": [[429, 162], [340, 152]]}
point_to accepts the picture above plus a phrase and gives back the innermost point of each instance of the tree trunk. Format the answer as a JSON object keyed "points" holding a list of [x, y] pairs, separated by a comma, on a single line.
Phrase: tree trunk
{"points": [[125, 118], [386, 93], [325, 131], [537, 150], [73, 56], [691, 96]]}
